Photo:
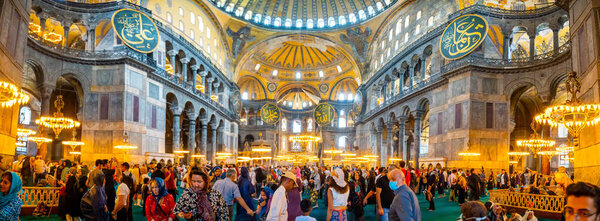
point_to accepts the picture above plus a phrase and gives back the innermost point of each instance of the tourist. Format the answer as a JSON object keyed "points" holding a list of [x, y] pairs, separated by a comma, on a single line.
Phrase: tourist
{"points": [[473, 210], [264, 203], [278, 209], [306, 206], [405, 205], [215, 174], [159, 205], [128, 179], [119, 213], [514, 216], [441, 184], [453, 184], [170, 181], [497, 213], [260, 178], [93, 203], [357, 193], [39, 168], [158, 172], [230, 191], [474, 183], [582, 202], [137, 173], [431, 182], [246, 190], [10, 203], [294, 198], [71, 194], [199, 202], [530, 216], [462, 188], [109, 185], [27, 171], [384, 195], [337, 196], [315, 186]]}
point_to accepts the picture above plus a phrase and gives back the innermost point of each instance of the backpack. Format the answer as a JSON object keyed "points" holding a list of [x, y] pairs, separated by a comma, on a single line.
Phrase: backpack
{"points": [[87, 211]]}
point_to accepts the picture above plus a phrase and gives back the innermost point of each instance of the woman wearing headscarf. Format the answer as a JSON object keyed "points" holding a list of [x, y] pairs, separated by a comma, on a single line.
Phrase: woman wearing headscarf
{"points": [[27, 171], [10, 203], [160, 204], [529, 216], [260, 178], [264, 202], [294, 198], [93, 203], [357, 193], [246, 190], [337, 196], [72, 192], [199, 202], [215, 174]]}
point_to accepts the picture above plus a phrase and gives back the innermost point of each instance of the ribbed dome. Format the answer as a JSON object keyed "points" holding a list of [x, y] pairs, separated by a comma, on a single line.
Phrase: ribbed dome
{"points": [[303, 14]]}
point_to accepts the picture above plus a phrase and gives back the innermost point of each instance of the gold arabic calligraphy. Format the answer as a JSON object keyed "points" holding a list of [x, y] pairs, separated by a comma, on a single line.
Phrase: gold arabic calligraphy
{"points": [[464, 35], [135, 32], [324, 113], [270, 113]]}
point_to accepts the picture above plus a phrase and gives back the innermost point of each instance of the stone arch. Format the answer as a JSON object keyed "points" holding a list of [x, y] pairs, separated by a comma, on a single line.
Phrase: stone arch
{"points": [[423, 104], [405, 111]]}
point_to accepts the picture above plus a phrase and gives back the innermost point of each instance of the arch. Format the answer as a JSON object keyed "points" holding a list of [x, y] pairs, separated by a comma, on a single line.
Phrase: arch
{"points": [[345, 85], [423, 104], [73, 80], [405, 111], [189, 107], [171, 99], [202, 114], [255, 88]]}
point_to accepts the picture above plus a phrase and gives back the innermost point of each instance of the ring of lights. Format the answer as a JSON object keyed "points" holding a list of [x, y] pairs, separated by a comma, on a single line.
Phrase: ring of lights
{"points": [[10, 95], [304, 138]]}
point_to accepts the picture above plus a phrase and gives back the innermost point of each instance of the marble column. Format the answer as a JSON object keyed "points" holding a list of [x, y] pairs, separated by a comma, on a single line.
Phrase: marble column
{"points": [[191, 136], [423, 67], [192, 81], [213, 144], [379, 146], [176, 128], [531, 47], [401, 151], [214, 90], [401, 83], [555, 41], [203, 143], [91, 37], [411, 70], [203, 79], [417, 137], [390, 138], [42, 25], [506, 46], [46, 92], [184, 62], [209, 86], [67, 28], [172, 54]]}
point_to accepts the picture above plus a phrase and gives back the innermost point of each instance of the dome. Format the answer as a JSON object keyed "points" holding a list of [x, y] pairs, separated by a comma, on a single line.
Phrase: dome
{"points": [[303, 15]]}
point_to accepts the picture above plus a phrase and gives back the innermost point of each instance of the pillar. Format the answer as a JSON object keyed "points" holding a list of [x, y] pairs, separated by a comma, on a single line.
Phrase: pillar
{"points": [[531, 47], [506, 46], [203, 139], [42, 25], [378, 145], [91, 35], [423, 68], [46, 92], [184, 62], [192, 136], [67, 28], [417, 137], [172, 54], [213, 144], [555, 41], [214, 89], [390, 136], [194, 74], [411, 70], [176, 127], [203, 79], [401, 151], [208, 88], [401, 83]]}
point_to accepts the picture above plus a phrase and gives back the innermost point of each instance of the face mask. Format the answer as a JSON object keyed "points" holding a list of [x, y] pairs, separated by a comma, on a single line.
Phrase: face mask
{"points": [[394, 185]]}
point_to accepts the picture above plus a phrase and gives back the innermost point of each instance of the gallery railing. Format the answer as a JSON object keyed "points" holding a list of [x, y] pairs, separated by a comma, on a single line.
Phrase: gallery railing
{"points": [[31, 196], [536, 202]]}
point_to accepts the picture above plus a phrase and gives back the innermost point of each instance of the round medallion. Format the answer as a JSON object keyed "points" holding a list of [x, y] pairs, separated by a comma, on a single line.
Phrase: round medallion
{"points": [[324, 114], [271, 87], [270, 113], [136, 30], [463, 36], [323, 88]]}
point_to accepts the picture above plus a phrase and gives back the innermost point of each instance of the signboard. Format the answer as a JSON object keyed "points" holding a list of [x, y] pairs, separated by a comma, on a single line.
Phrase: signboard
{"points": [[324, 113], [270, 113], [136, 30], [463, 36]]}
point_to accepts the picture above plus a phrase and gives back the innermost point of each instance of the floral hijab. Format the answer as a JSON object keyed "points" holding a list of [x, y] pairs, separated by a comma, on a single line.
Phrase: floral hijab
{"points": [[15, 186]]}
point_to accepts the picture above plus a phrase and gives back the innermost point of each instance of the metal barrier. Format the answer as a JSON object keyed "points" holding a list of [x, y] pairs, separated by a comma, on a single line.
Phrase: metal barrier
{"points": [[31, 196], [536, 202]]}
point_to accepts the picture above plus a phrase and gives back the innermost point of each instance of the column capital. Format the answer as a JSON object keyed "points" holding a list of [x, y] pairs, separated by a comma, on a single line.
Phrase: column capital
{"points": [[195, 67], [184, 60], [172, 52], [175, 110], [216, 84], [210, 80], [418, 114], [66, 23], [402, 120], [203, 73], [191, 115]]}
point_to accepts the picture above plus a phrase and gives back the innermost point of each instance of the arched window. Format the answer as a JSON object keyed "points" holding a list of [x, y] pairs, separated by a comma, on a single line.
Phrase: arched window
{"points": [[248, 15], [320, 23], [562, 131], [398, 26], [192, 34], [277, 22], [341, 97], [298, 23], [331, 21], [245, 95], [257, 18], [288, 23], [181, 11], [430, 21], [181, 26], [390, 36], [267, 20], [342, 20], [352, 18], [284, 142], [362, 15], [406, 21], [350, 97], [342, 120], [200, 24], [208, 33], [417, 29], [309, 23], [169, 18], [192, 18], [309, 125], [341, 142], [297, 126], [418, 15], [283, 124]]}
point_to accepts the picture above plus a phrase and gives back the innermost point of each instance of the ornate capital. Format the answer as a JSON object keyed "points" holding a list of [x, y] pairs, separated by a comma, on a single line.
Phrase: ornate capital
{"points": [[191, 115], [216, 84], [195, 67], [171, 52], [418, 114], [203, 73], [184, 60], [402, 120], [176, 110], [210, 80]]}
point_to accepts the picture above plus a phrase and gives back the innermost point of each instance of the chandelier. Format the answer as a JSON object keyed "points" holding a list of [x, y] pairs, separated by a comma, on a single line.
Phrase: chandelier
{"points": [[126, 145], [198, 156], [21, 132], [548, 153], [536, 143], [58, 121], [73, 143], [304, 138], [10, 95], [333, 151], [574, 115], [518, 154]]}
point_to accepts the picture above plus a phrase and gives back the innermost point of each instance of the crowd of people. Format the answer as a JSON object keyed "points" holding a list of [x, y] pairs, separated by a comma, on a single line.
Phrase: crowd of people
{"points": [[111, 189]]}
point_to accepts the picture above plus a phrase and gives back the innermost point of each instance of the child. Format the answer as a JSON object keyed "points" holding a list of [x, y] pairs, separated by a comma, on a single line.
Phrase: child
{"points": [[145, 192], [264, 202], [306, 207]]}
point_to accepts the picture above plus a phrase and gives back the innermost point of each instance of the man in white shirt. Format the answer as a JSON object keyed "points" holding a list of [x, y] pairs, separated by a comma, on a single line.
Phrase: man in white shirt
{"points": [[39, 167], [122, 200], [278, 210]]}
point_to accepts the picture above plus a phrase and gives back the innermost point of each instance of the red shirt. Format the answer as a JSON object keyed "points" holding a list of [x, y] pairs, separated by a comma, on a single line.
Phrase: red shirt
{"points": [[170, 184], [167, 205], [406, 176]]}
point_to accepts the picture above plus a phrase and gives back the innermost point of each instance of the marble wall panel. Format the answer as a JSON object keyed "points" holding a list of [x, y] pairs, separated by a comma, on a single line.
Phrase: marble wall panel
{"points": [[474, 82], [136, 80], [477, 115], [490, 85], [488, 147], [153, 91], [104, 77], [458, 87], [501, 116], [91, 106], [116, 107], [103, 141]]}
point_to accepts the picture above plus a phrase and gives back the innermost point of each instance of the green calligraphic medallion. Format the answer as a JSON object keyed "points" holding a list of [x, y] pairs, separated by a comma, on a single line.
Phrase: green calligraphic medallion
{"points": [[324, 113], [136, 30], [269, 113], [236, 102], [463, 36]]}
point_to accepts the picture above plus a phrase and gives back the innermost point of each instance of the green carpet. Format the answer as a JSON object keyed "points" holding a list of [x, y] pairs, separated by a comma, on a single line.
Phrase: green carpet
{"points": [[445, 210]]}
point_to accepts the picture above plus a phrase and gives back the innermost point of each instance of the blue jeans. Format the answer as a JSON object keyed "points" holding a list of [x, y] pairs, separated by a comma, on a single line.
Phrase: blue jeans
{"points": [[385, 216]]}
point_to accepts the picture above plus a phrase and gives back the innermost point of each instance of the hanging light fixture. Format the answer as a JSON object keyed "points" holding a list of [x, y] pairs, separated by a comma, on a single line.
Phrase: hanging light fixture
{"points": [[73, 143], [536, 143], [574, 114], [469, 153], [125, 145], [58, 121], [305, 138], [22, 132], [10, 95]]}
